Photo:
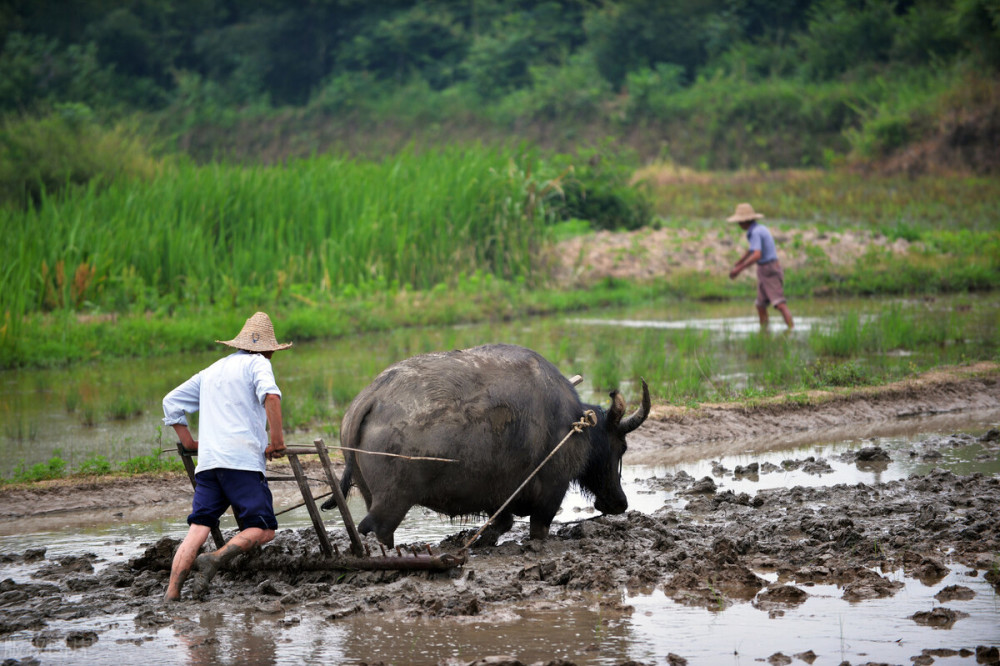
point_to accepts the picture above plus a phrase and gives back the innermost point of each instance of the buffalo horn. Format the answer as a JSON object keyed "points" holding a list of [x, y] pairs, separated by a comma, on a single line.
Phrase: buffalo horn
{"points": [[635, 419]]}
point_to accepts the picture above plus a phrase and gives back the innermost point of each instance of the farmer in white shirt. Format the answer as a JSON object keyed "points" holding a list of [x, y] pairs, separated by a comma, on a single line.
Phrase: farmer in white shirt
{"points": [[762, 252], [238, 398]]}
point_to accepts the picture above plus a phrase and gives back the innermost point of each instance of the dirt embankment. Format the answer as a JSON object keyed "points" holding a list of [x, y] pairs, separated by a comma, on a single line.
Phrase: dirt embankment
{"points": [[648, 253]]}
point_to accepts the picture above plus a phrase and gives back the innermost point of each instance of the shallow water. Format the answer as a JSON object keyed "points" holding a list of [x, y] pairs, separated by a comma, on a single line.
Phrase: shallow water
{"points": [[834, 629], [112, 408]]}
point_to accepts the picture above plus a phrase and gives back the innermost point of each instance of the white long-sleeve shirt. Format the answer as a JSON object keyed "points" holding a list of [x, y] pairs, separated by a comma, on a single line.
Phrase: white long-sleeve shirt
{"points": [[230, 394]]}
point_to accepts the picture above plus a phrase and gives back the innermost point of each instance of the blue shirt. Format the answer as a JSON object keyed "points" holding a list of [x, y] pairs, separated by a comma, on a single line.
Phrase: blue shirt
{"points": [[230, 396], [760, 239]]}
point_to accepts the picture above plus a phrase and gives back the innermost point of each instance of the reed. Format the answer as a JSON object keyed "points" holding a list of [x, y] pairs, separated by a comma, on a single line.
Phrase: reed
{"points": [[239, 235]]}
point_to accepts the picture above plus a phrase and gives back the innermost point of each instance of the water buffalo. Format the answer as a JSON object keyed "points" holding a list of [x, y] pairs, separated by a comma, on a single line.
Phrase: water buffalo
{"points": [[497, 411]]}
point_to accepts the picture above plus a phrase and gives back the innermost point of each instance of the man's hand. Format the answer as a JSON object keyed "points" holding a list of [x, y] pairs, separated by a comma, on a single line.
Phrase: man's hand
{"points": [[275, 450]]}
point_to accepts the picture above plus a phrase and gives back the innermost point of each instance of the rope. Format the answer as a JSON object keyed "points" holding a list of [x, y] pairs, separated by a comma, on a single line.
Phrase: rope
{"points": [[347, 448], [587, 420], [393, 455]]}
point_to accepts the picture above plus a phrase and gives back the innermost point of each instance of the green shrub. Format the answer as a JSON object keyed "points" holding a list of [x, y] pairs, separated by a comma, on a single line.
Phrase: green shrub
{"points": [[95, 465], [154, 462], [598, 188], [830, 373], [40, 157]]}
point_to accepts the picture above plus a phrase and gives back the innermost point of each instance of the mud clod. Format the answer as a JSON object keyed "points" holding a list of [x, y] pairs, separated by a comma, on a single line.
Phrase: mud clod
{"points": [[940, 617], [987, 654], [955, 593]]}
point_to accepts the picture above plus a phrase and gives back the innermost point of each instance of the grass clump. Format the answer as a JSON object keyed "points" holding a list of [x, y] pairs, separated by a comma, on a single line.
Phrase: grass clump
{"points": [[53, 468], [153, 463], [95, 465]]}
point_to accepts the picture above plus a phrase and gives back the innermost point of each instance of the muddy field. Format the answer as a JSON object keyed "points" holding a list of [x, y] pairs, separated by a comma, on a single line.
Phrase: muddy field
{"points": [[715, 550]]}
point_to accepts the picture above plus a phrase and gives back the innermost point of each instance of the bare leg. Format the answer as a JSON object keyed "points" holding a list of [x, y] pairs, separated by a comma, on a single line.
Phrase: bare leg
{"points": [[183, 559], [208, 564], [783, 309], [762, 313]]}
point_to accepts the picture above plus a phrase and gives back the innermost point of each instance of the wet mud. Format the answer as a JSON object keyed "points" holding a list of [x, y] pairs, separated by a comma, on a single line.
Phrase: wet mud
{"points": [[713, 549], [710, 548]]}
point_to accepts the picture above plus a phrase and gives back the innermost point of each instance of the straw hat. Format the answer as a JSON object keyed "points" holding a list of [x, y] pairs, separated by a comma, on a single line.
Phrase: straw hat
{"points": [[744, 213], [257, 336]]}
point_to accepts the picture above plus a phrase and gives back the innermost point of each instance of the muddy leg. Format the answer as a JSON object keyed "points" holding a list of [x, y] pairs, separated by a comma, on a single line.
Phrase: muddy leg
{"points": [[783, 309], [183, 559], [208, 564], [383, 522]]}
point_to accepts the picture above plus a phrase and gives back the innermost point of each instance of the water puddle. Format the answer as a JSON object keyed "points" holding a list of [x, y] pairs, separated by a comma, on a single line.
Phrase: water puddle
{"points": [[732, 325]]}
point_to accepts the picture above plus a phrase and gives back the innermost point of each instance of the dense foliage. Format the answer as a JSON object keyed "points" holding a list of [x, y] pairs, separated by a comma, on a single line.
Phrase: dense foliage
{"points": [[286, 52], [719, 83], [376, 144]]}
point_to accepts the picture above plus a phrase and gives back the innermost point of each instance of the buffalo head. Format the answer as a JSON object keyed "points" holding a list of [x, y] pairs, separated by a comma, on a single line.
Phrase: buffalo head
{"points": [[602, 477]]}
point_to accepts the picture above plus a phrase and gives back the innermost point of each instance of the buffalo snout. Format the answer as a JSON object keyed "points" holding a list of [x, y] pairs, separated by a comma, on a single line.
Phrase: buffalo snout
{"points": [[617, 503]]}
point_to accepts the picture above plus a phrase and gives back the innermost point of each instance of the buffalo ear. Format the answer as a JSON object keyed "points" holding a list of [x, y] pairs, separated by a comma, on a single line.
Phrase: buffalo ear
{"points": [[616, 411]]}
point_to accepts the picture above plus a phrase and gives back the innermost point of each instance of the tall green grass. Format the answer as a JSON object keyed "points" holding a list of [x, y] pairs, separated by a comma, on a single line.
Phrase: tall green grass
{"points": [[236, 236]]}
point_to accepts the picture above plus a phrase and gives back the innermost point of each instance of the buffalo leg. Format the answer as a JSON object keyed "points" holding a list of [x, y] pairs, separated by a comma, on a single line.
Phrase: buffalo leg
{"points": [[383, 523], [539, 529], [496, 529], [541, 519]]}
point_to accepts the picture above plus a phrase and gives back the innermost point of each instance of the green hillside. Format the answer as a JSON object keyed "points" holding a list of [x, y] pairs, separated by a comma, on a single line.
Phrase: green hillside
{"points": [[706, 83]]}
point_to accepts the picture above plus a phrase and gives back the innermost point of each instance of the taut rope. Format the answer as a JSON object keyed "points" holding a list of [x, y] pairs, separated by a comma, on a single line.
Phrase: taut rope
{"points": [[588, 419]]}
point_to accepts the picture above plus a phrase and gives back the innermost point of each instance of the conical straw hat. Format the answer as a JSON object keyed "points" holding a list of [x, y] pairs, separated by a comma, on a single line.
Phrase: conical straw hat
{"points": [[744, 213], [257, 336]]}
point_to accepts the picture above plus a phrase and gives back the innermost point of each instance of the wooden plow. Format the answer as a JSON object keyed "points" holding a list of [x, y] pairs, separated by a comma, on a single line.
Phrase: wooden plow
{"points": [[360, 557]]}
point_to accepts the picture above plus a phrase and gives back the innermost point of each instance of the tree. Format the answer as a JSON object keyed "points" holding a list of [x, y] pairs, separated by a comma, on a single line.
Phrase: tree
{"points": [[978, 25], [630, 36]]}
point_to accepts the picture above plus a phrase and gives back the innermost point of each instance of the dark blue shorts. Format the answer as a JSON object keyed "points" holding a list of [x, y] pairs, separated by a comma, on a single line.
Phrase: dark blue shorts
{"points": [[247, 492]]}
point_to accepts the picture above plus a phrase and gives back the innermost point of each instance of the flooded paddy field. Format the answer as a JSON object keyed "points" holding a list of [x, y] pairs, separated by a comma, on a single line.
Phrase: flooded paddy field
{"points": [[881, 549], [112, 408], [851, 528]]}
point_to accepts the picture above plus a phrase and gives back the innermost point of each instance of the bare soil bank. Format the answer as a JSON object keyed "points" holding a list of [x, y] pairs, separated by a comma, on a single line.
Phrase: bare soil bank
{"points": [[649, 253]]}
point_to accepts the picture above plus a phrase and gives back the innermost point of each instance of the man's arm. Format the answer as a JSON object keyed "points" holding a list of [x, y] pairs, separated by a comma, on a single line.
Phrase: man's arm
{"points": [[751, 257], [185, 437], [176, 405], [276, 445]]}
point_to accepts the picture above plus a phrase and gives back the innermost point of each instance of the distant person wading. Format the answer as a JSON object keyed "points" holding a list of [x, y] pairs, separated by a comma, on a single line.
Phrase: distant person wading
{"points": [[770, 276]]}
